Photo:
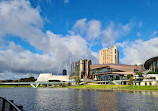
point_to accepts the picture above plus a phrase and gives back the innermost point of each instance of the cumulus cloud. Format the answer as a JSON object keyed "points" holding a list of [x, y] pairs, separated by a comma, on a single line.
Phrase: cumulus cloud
{"points": [[18, 18], [112, 33], [91, 29], [139, 51]]}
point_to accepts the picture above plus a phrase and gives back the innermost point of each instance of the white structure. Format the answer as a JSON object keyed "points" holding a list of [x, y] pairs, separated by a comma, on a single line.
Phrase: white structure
{"points": [[43, 77], [48, 77], [63, 78], [148, 80]]}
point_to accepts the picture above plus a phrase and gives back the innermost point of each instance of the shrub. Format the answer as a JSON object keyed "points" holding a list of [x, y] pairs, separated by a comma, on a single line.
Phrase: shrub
{"points": [[63, 85], [151, 72]]}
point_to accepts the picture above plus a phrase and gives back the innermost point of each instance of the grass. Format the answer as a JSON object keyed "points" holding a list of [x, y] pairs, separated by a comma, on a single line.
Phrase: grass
{"points": [[115, 87], [108, 87]]}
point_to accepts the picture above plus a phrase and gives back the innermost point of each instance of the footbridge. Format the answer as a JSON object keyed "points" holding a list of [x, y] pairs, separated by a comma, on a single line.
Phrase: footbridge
{"points": [[33, 84]]}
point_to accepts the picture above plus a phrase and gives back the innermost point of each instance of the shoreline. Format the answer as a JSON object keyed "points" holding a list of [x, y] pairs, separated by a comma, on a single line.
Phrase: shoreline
{"points": [[126, 88]]}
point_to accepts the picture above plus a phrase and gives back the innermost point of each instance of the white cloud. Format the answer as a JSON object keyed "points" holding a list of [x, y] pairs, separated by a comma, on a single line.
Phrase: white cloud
{"points": [[66, 1], [91, 29], [139, 51], [18, 18], [113, 32]]}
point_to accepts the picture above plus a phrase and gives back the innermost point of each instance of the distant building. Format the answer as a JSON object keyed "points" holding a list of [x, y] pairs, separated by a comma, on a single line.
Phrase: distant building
{"points": [[64, 72], [82, 67], [152, 64], [109, 56]]}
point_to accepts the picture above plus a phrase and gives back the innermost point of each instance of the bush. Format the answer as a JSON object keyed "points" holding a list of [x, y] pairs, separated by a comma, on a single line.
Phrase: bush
{"points": [[63, 85], [151, 72], [69, 84], [139, 73]]}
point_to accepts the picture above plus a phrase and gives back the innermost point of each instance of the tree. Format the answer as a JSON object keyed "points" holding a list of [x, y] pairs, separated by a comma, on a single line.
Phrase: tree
{"points": [[131, 81], [129, 76], [78, 78], [151, 72]]}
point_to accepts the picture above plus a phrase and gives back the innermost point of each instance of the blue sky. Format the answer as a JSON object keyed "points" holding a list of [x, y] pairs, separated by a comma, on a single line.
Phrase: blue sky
{"points": [[60, 17], [39, 35]]}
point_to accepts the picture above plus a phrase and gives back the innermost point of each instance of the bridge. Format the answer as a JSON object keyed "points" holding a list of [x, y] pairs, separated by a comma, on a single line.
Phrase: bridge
{"points": [[33, 84]]}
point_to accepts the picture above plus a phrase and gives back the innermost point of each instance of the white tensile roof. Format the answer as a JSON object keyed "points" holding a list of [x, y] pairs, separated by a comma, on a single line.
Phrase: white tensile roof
{"points": [[43, 77]]}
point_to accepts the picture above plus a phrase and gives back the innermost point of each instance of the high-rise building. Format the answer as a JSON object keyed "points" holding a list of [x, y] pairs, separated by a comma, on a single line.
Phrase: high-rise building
{"points": [[82, 67], [109, 56]]}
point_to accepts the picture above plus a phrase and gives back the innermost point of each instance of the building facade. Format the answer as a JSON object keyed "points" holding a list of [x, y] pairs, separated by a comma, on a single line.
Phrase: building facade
{"points": [[81, 67], [152, 64], [110, 72], [109, 56]]}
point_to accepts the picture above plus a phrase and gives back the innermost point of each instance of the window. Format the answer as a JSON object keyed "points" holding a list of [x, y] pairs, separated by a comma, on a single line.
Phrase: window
{"points": [[145, 84], [150, 84]]}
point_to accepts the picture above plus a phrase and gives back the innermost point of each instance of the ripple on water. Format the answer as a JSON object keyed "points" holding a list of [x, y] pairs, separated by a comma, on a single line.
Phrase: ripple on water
{"points": [[52, 99]]}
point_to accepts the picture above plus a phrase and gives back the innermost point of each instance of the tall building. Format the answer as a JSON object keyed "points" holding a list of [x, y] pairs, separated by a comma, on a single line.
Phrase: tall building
{"points": [[109, 56], [82, 67]]}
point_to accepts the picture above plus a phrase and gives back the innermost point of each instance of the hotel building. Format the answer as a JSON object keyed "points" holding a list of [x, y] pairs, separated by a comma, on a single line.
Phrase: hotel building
{"points": [[109, 56]]}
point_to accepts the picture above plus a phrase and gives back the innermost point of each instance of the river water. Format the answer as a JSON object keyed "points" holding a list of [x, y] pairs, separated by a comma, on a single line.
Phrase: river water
{"points": [[59, 99]]}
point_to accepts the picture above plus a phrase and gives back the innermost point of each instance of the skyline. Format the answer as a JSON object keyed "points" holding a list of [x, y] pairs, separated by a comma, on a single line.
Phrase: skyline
{"points": [[37, 36]]}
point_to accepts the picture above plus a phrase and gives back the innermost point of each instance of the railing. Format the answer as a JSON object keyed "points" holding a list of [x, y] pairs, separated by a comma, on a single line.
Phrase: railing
{"points": [[6, 105]]}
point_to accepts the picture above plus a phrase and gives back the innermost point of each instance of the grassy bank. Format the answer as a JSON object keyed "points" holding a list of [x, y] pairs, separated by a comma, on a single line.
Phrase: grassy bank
{"points": [[115, 87]]}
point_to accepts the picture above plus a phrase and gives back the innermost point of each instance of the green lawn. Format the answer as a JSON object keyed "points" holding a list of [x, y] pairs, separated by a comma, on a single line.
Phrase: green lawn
{"points": [[122, 87]]}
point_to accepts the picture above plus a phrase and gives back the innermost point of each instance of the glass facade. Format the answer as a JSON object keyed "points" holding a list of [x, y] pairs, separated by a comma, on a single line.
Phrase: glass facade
{"points": [[154, 66], [106, 77], [104, 70]]}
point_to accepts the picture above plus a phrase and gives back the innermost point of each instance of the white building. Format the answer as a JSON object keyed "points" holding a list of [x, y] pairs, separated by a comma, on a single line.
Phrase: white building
{"points": [[48, 77]]}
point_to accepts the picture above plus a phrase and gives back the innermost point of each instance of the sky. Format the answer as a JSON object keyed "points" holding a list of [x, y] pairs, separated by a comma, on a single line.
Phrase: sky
{"points": [[39, 36]]}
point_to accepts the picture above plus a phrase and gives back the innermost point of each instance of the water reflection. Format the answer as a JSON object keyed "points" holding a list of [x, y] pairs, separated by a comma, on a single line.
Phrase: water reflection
{"points": [[51, 99]]}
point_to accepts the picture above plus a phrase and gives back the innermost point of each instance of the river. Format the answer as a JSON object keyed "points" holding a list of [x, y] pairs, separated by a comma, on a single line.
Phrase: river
{"points": [[60, 99]]}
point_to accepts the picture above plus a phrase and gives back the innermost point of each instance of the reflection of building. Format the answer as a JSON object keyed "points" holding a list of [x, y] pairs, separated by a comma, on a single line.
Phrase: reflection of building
{"points": [[48, 77], [152, 64], [111, 72], [82, 67], [109, 56]]}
